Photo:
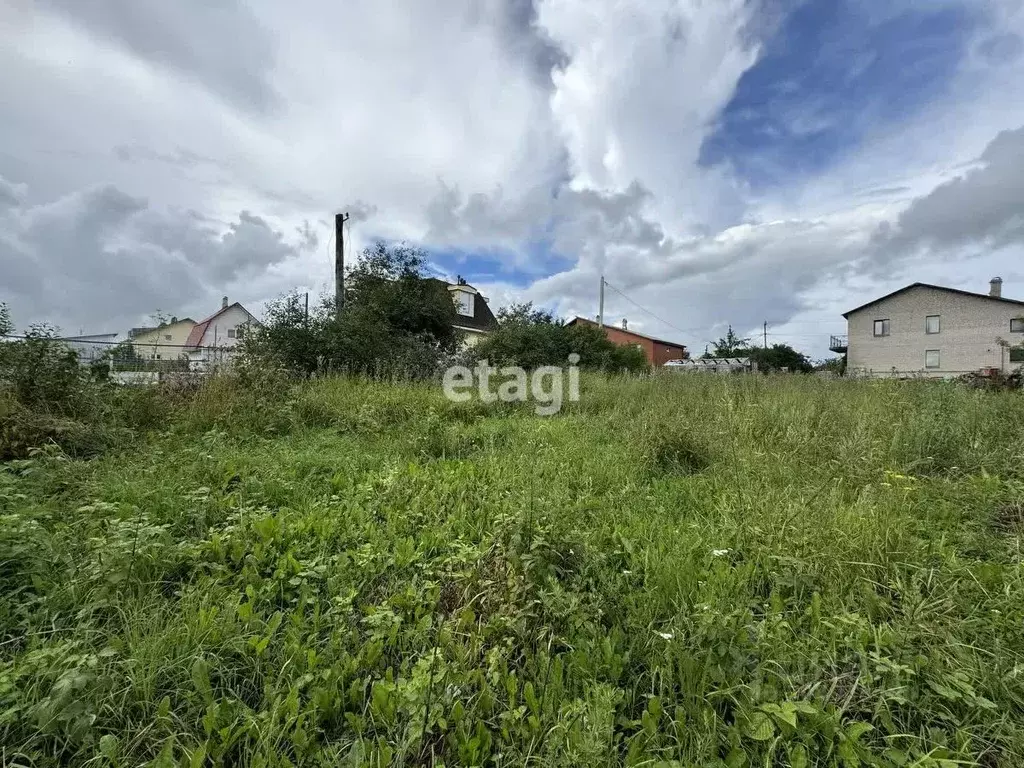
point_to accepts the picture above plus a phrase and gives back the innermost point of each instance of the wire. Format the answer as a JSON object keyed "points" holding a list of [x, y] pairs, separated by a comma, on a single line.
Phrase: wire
{"points": [[704, 328], [656, 317]]}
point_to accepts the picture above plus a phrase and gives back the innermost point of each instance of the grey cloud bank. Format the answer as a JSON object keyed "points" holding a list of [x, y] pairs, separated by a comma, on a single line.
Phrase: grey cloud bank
{"points": [[158, 155]]}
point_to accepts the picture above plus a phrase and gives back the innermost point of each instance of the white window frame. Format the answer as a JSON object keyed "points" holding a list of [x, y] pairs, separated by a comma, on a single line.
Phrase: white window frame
{"points": [[938, 324], [465, 303], [938, 359], [231, 333], [1017, 325], [886, 328]]}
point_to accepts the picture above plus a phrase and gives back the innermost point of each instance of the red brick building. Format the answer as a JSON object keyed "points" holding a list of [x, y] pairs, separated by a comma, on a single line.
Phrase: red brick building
{"points": [[658, 351]]}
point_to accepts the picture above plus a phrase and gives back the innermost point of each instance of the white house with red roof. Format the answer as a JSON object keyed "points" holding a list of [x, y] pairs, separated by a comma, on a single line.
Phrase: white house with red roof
{"points": [[212, 341]]}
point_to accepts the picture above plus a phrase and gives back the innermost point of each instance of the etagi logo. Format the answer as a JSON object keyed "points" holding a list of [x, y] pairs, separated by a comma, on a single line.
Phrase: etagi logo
{"points": [[515, 385]]}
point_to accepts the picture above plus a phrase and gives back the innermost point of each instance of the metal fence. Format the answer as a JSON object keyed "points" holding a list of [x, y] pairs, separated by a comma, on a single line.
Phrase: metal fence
{"points": [[713, 365], [135, 358]]}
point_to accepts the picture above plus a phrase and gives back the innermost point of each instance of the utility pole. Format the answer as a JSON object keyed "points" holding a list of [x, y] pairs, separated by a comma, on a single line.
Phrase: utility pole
{"points": [[339, 260], [600, 306], [766, 334]]}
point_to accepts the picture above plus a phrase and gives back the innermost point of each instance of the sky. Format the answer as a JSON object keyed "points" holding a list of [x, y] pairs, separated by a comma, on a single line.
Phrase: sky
{"points": [[735, 162]]}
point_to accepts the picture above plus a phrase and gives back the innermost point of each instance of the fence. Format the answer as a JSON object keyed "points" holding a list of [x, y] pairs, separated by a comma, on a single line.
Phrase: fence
{"points": [[714, 365], [132, 361]]}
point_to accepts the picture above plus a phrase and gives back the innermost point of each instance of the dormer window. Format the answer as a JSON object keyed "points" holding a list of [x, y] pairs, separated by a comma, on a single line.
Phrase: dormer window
{"points": [[464, 303]]}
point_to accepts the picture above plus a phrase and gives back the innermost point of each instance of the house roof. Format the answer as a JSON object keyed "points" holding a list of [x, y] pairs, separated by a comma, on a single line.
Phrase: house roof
{"points": [[482, 320], [150, 328], [935, 288], [89, 337], [195, 337], [631, 333]]}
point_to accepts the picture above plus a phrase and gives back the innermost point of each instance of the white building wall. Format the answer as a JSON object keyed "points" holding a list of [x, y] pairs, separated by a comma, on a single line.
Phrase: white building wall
{"points": [[217, 333], [470, 336], [967, 340]]}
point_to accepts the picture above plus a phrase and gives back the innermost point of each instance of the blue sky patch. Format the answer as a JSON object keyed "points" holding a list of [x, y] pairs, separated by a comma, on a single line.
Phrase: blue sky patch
{"points": [[833, 71], [499, 266]]}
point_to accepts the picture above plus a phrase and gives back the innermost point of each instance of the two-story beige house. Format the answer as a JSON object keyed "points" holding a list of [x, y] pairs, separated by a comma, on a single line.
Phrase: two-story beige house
{"points": [[165, 342], [930, 330]]}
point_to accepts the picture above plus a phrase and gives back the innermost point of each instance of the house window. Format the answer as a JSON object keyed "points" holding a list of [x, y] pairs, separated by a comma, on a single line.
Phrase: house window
{"points": [[231, 333], [881, 327], [1017, 325], [1017, 355], [464, 303], [167, 337], [932, 324], [931, 358]]}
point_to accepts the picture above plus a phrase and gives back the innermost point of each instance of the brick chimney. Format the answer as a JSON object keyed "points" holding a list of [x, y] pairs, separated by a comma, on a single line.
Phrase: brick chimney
{"points": [[625, 326], [224, 303], [996, 287]]}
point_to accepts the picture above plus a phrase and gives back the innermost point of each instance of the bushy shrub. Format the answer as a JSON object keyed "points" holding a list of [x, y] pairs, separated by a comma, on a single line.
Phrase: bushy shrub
{"points": [[47, 398], [531, 339], [395, 323], [24, 429], [43, 373]]}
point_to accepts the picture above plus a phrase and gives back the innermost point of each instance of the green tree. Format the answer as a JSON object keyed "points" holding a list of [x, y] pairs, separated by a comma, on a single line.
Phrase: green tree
{"points": [[388, 284], [525, 314], [836, 365], [394, 318], [41, 371], [6, 326], [778, 357], [730, 345], [530, 338]]}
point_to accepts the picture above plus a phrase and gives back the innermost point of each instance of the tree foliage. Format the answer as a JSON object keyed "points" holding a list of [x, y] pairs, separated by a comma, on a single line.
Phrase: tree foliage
{"points": [[387, 286], [6, 325], [836, 365], [41, 371], [530, 338], [730, 345], [778, 357], [393, 319], [774, 358], [525, 314]]}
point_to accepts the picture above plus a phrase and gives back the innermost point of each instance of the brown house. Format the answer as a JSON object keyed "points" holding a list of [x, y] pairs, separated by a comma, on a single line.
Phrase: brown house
{"points": [[658, 351]]}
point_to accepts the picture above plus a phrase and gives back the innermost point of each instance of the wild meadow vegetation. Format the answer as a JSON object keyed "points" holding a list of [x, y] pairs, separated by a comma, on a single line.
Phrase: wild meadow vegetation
{"points": [[677, 570]]}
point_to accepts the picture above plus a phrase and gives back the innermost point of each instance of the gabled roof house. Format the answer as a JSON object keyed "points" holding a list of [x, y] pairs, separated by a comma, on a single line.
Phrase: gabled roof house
{"points": [[472, 315], [224, 328], [934, 331], [658, 351]]}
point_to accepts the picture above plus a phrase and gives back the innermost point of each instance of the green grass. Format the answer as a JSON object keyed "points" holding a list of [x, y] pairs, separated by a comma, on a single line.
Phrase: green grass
{"points": [[692, 570]]}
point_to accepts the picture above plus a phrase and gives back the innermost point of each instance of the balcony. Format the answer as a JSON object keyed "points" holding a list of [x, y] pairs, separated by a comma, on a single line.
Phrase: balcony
{"points": [[839, 344]]}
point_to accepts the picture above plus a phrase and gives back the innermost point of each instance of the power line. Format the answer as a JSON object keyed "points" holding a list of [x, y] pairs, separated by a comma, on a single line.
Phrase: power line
{"points": [[656, 317], [816, 324]]}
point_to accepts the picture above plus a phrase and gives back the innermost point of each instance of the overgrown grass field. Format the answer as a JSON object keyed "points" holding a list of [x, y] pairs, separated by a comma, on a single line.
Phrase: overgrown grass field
{"points": [[687, 571]]}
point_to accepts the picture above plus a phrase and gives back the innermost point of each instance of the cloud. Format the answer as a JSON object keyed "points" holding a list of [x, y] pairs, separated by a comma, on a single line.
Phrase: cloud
{"points": [[525, 39], [642, 85], [10, 194], [982, 207], [161, 154], [221, 45], [102, 259]]}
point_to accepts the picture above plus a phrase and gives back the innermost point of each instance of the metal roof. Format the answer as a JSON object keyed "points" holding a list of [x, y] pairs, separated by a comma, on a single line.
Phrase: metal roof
{"points": [[627, 330]]}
